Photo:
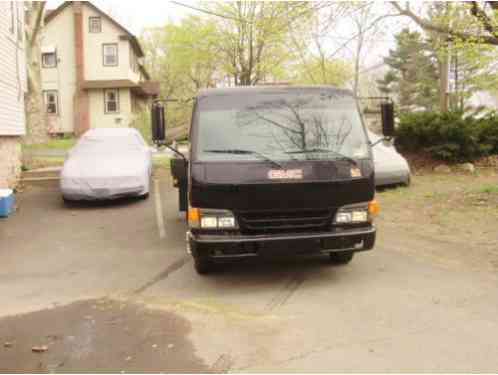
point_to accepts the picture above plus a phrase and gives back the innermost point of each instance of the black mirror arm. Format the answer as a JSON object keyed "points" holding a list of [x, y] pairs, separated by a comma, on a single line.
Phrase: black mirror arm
{"points": [[177, 152], [160, 144], [380, 140]]}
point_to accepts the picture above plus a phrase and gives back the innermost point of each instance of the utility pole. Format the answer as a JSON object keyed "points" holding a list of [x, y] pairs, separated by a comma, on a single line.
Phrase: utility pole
{"points": [[444, 65]]}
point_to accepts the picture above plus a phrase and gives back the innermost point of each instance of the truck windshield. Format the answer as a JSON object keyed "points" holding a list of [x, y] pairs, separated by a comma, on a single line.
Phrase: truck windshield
{"points": [[290, 125]]}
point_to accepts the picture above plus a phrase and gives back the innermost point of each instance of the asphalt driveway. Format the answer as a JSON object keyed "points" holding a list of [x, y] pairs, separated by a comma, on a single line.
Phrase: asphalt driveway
{"points": [[110, 287]]}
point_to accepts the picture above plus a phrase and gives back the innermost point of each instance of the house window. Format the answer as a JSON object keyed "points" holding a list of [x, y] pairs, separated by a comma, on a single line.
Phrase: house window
{"points": [[51, 102], [95, 24], [111, 101], [110, 52], [49, 60]]}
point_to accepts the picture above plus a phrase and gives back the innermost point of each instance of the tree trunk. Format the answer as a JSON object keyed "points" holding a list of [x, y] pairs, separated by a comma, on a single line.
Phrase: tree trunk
{"points": [[36, 123], [444, 64]]}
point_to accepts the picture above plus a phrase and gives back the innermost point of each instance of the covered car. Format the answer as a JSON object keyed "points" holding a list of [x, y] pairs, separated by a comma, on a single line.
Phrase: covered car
{"points": [[391, 168], [107, 163]]}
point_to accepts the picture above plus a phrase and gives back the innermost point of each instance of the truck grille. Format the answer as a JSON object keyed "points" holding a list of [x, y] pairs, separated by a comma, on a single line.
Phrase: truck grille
{"points": [[261, 222]]}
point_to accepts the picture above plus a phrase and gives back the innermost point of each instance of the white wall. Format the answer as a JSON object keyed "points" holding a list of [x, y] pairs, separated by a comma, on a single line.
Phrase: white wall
{"points": [[100, 119], [94, 67], [60, 33], [12, 73]]}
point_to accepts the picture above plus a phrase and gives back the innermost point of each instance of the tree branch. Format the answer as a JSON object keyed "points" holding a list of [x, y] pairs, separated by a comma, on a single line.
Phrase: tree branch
{"points": [[38, 22], [427, 25], [483, 18]]}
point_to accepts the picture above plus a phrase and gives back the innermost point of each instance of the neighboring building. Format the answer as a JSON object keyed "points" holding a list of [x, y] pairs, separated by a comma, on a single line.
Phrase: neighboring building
{"points": [[484, 99], [12, 90], [92, 70]]}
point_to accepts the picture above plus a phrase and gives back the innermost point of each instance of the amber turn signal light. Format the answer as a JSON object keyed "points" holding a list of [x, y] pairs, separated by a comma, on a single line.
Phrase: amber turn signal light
{"points": [[193, 214], [373, 207]]}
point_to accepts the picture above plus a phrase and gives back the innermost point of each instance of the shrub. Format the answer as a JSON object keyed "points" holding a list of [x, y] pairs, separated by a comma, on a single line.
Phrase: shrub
{"points": [[450, 136], [489, 132], [142, 124]]}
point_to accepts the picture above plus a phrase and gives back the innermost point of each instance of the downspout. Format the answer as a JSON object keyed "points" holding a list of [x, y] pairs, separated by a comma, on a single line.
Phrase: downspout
{"points": [[81, 100]]}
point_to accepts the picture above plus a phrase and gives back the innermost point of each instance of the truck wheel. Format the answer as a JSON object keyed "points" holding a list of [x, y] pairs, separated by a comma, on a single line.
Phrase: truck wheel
{"points": [[203, 266], [342, 257]]}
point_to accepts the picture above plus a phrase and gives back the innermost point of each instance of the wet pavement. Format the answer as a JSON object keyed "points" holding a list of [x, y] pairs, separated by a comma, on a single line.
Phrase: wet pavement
{"points": [[97, 336]]}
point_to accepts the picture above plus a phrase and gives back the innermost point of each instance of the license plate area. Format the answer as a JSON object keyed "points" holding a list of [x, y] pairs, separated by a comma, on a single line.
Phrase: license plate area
{"points": [[292, 246]]}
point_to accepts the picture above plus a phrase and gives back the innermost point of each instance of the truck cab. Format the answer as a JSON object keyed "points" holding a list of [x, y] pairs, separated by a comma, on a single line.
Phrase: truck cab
{"points": [[277, 171]]}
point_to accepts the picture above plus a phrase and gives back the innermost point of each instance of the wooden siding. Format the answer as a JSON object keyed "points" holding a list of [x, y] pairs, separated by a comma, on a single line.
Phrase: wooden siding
{"points": [[12, 71]]}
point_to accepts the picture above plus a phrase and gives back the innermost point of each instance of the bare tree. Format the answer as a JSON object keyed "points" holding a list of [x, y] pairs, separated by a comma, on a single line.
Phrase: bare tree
{"points": [[35, 115], [255, 35], [486, 30]]}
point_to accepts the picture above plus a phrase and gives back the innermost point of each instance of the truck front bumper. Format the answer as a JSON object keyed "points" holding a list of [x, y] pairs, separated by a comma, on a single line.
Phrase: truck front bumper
{"points": [[240, 246]]}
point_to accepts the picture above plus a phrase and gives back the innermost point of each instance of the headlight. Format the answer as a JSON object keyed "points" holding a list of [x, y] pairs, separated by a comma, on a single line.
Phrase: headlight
{"points": [[211, 219], [209, 222], [353, 214], [359, 216], [343, 217], [226, 222]]}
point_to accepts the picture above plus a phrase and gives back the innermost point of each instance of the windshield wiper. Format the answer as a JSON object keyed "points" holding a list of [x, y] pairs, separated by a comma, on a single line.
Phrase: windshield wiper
{"points": [[247, 152], [339, 156]]}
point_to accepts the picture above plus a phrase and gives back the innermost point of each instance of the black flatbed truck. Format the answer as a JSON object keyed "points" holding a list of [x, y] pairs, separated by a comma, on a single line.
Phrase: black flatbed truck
{"points": [[275, 171]]}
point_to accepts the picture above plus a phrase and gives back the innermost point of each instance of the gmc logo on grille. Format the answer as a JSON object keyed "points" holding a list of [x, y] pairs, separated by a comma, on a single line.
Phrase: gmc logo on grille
{"points": [[289, 174]]}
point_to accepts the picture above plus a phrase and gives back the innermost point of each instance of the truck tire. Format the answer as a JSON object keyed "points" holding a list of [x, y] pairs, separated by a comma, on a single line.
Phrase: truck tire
{"points": [[203, 266], [341, 257]]}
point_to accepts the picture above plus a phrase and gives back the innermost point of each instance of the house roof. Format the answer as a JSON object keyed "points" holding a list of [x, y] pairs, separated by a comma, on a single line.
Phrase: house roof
{"points": [[148, 88], [109, 84], [144, 72], [51, 14]]}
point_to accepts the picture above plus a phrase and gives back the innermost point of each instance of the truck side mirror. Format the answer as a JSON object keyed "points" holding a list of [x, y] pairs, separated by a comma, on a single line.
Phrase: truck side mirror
{"points": [[158, 123], [387, 113]]}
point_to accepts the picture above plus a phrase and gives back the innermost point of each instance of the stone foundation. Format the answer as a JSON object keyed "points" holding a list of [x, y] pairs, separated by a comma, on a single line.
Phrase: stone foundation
{"points": [[10, 161]]}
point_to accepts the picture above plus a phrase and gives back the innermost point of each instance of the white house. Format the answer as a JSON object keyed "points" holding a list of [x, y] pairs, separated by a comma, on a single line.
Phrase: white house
{"points": [[12, 90], [92, 70]]}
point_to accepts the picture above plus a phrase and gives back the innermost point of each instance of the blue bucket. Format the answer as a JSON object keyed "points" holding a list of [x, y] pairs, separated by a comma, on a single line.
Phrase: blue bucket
{"points": [[6, 202]]}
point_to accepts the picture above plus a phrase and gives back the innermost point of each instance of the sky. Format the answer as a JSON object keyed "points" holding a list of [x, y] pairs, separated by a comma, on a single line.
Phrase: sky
{"points": [[139, 14]]}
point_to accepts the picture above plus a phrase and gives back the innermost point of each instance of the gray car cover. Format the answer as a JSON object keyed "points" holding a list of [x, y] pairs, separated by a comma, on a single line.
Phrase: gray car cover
{"points": [[107, 164], [390, 166]]}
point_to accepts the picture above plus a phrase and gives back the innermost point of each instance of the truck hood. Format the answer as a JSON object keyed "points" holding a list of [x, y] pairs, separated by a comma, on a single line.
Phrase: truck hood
{"points": [[262, 186]]}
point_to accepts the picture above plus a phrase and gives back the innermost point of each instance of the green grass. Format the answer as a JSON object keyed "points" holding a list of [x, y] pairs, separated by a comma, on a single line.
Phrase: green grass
{"points": [[160, 162], [489, 189], [42, 162], [53, 144]]}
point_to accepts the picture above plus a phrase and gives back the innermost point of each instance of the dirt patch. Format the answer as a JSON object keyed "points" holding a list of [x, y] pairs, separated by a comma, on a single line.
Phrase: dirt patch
{"points": [[422, 163], [97, 336], [455, 215]]}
